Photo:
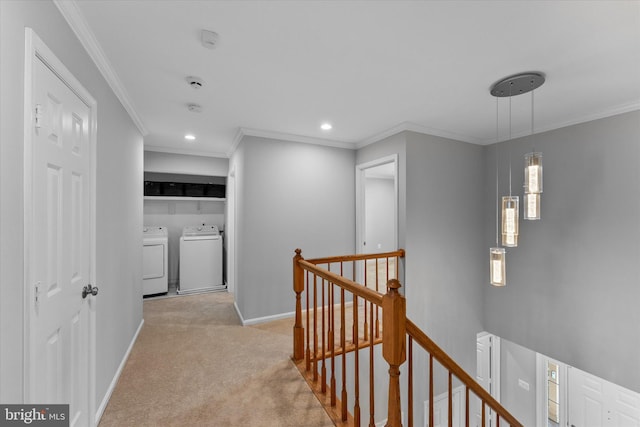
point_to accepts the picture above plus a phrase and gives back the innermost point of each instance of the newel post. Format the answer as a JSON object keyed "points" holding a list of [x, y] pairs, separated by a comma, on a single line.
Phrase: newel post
{"points": [[393, 346], [298, 287]]}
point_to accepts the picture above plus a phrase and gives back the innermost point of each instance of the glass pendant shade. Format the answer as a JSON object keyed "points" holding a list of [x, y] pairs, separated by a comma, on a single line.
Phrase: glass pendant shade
{"points": [[510, 219], [497, 267], [533, 173], [532, 206]]}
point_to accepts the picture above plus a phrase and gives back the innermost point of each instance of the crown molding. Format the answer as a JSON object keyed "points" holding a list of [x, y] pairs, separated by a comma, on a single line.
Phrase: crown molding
{"points": [[610, 112], [236, 141], [72, 14], [613, 111], [170, 150], [293, 138], [413, 127]]}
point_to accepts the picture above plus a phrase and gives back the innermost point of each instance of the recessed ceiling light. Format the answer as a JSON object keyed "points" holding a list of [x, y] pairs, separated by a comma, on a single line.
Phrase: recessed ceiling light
{"points": [[326, 126], [189, 137]]}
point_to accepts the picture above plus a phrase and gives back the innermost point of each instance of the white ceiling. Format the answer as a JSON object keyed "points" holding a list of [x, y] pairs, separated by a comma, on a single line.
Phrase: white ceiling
{"points": [[371, 68]]}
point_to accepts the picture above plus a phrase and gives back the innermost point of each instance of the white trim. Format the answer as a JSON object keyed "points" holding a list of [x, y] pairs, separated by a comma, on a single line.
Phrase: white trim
{"points": [[235, 305], [116, 377], [541, 389], [37, 50], [496, 372], [72, 14], [413, 127], [296, 138], [265, 319], [29, 56], [236, 141], [613, 111], [171, 150]]}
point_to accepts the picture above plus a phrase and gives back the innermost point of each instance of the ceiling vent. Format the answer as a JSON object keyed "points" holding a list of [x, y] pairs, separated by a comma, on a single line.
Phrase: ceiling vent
{"points": [[195, 82], [209, 39], [195, 108]]}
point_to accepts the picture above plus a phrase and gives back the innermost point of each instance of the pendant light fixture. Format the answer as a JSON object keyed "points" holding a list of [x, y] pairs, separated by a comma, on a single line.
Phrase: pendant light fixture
{"points": [[497, 255], [510, 203], [532, 178], [509, 87]]}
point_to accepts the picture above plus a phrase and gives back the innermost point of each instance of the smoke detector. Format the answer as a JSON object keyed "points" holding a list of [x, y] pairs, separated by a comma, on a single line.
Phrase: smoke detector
{"points": [[195, 82], [195, 108], [209, 39]]}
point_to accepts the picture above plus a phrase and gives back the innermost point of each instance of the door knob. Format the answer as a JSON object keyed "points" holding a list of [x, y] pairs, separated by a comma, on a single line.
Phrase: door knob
{"points": [[93, 290]]}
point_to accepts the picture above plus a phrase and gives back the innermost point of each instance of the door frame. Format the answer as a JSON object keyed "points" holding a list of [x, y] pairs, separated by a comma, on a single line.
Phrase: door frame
{"points": [[360, 201], [37, 50], [230, 232]]}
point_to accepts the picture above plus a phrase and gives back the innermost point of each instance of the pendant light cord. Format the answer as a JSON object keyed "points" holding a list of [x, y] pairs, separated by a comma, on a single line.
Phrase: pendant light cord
{"points": [[533, 146], [510, 144], [497, 198]]}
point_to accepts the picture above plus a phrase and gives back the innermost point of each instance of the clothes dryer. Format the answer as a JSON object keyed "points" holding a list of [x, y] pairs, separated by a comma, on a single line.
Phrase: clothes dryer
{"points": [[155, 260]]}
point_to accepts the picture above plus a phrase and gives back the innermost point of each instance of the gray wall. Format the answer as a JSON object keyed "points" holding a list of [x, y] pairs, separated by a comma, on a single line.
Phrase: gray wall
{"points": [[444, 243], [119, 198], [518, 363], [572, 283], [290, 195], [185, 164]]}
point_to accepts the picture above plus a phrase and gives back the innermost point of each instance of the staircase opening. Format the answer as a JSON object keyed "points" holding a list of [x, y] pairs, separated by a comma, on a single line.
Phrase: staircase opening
{"points": [[366, 361]]}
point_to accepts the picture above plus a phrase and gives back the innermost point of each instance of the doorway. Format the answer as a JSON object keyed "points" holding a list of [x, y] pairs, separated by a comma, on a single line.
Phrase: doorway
{"points": [[377, 210], [487, 374], [59, 229], [551, 392]]}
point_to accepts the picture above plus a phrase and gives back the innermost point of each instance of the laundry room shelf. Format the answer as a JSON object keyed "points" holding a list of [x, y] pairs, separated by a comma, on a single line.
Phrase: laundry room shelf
{"points": [[190, 199]]}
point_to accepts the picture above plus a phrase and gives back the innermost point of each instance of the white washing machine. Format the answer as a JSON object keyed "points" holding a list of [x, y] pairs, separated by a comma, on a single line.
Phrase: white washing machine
{"points": [[200, 260], [155, 260]]}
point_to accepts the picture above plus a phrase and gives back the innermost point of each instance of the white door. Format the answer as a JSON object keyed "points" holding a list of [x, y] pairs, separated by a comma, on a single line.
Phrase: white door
{"points": [[441, 409], [59, 237], [487, 374], [594, 402]]}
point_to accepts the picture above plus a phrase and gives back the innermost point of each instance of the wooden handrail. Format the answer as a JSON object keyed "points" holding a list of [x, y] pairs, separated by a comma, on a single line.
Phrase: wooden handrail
{"points": [[395, 328], [348, 285], [448, 363], [356, 257]]}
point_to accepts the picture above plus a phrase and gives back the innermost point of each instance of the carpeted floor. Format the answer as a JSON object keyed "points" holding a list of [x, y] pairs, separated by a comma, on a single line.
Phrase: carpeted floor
{"points": [[195, 365]]}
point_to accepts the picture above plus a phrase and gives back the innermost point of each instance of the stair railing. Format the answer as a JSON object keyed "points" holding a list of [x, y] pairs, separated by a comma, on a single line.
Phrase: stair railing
{"points": [[327, 294]]}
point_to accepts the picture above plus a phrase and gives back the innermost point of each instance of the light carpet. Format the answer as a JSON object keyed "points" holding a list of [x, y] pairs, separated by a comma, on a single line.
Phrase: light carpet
{"points": [[195, 365]]}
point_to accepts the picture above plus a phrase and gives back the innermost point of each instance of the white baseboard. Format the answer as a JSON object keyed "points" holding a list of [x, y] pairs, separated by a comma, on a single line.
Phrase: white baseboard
{"points": [[258, 320], [114, 381], [235, 305]]}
